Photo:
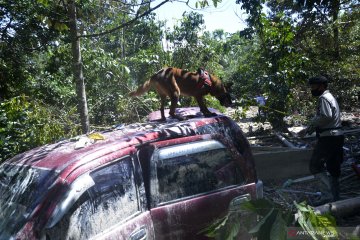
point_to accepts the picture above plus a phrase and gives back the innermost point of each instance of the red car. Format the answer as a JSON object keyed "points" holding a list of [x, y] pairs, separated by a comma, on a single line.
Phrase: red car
{"points": [[141, 181]]}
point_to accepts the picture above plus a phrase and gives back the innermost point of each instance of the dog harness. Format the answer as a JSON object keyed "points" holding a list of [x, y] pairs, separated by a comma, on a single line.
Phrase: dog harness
{"points": [[204, 79]]}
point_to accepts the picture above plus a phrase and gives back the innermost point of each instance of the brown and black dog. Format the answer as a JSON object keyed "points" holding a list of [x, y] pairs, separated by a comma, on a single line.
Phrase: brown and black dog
{"points": [[174, 81]]}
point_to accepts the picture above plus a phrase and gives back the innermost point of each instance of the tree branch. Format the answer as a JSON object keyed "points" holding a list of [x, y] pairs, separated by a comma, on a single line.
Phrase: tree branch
{"points": [[126, 23], [4, 31]]}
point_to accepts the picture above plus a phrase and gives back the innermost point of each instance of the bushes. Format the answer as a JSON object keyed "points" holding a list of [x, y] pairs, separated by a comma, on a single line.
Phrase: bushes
{"points": [[136, 109], [26, 124]]}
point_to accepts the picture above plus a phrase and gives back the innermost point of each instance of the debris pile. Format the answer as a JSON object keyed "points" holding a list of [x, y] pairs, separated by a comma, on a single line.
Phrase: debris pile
{"points": [[299, 189], [286, 191]]}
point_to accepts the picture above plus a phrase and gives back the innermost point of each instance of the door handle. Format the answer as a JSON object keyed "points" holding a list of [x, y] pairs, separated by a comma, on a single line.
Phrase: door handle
{"points": [[238, 201], [139, 234]]}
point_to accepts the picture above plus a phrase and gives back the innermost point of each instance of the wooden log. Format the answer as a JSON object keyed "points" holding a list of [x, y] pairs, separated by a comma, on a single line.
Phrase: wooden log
{"points": [[352, 131], [285, 141], [288, 182], [260, 137], [340, 208]]}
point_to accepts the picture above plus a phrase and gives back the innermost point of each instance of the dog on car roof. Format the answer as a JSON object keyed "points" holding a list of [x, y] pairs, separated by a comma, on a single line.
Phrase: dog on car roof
{"points": [[171, 82]]}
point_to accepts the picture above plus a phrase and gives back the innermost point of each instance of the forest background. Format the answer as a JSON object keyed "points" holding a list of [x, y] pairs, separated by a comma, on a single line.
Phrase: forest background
{"points": [[67, 66]]}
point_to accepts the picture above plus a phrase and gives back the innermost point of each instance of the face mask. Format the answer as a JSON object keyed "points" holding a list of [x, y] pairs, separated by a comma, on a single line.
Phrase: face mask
{"points": [[316, 92]]}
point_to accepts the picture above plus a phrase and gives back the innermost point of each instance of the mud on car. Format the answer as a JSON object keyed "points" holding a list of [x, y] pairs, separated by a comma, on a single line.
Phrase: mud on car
{"points": [[152, 180]]}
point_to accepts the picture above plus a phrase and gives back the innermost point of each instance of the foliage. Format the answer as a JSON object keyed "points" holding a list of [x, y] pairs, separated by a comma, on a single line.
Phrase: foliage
{"points": [[135, 110], [296, 40], [281, 65], [53, 82], [210, 101], [205, 3], [274, 222], [23, 34], [187, 49], [25, 124], [113, 65], [312, 222], [284, 44]]}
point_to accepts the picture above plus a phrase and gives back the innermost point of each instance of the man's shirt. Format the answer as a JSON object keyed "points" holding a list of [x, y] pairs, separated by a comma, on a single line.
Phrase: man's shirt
{"points": [[327, 120]]}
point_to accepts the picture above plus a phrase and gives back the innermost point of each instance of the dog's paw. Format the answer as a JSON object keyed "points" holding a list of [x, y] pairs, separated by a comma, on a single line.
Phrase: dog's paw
{"points": [[180, 118], [210, 114]]}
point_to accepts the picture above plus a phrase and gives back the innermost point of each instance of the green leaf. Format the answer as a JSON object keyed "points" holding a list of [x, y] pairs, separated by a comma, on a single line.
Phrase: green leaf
{"points": [[232, 227], [303, 223], [212, 229], [261, 223], [258, 206], [44, 2], [278, 230], [312, 222], [60, 27], [301, 207]]}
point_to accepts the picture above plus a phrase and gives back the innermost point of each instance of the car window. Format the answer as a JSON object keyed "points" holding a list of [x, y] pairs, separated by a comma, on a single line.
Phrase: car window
{"points": [[21, 189], [111, 199], [193, 168], [229, 129]]}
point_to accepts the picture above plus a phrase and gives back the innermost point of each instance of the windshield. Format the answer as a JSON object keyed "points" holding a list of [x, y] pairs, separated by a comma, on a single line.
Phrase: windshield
{"points": [[21, 190]]}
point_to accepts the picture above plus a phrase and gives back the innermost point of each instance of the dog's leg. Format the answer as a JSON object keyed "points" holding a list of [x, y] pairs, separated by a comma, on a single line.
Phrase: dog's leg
{"points": [[174, 96], [174, 102], [162, 107], [203, 108]]}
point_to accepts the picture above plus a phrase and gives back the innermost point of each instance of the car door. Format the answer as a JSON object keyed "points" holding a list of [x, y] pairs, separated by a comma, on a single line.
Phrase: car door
{"points": [[137, 223], [194, 181], [107, 203]]}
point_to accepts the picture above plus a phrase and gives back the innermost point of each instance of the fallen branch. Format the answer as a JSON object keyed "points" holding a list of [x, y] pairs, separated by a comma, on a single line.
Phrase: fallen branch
{"points": [[352, 131], [297, 180], [260, 137], [341, 208], [301, 192], [285, 141]]}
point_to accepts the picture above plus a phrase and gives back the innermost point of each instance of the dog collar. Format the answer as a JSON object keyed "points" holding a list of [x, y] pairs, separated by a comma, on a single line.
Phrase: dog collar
{"points": [[204, 80]]}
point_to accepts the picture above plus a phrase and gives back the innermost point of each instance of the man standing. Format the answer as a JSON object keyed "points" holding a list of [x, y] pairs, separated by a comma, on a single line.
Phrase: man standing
{"points": [[328, 151], [260, 100]]}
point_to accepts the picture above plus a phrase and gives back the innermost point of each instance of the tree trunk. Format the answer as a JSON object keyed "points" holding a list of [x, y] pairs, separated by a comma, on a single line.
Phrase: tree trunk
{"points": [[78, 69], [335, 8]]}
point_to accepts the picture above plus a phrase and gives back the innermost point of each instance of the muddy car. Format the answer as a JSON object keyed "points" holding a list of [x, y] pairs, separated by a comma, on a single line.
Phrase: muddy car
{"points": [[152, 180]]}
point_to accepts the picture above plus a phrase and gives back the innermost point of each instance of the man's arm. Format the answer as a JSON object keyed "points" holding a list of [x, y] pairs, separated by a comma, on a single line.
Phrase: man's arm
{"points": [[321, 119], [325, 115]]}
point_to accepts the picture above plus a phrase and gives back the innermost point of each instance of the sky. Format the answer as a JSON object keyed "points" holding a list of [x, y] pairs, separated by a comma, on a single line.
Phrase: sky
{"points": [[227, 16]]}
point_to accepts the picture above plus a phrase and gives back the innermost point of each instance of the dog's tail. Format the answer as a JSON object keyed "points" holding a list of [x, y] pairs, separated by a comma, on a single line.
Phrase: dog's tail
{"points": [[141, 89]]}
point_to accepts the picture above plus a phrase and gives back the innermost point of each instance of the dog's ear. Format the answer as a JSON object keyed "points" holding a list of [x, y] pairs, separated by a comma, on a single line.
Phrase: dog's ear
{"points": [[228, 86]]}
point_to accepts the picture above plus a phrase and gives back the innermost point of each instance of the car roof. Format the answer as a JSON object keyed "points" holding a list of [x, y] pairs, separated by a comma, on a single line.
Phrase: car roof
{"points": [[69, 154], [189, 112]]}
